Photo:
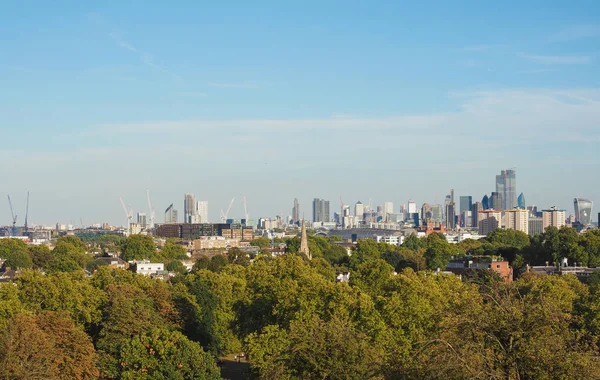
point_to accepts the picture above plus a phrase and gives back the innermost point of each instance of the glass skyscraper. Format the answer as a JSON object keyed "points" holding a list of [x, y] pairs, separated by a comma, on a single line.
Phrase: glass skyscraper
{"points": [[485, 202], [506, 186], [521, 201], [583, 211]]}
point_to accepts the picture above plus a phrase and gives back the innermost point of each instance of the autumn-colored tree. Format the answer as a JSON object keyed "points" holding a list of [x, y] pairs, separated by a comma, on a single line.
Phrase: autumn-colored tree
{"points": [[46, 346]]}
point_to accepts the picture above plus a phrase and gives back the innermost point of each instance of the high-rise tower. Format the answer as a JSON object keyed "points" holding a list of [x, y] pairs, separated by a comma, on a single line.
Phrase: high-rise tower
{"points": [[296, 211], [189, 208], [506, 186], [583, 211]]}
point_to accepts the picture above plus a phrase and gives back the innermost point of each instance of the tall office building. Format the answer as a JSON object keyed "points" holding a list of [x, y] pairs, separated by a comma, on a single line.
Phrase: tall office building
{"points": [[553, 217], [450, 216], [170, 214], [506, 186], [296, 212], [412, 207], [202, 212], [583, 211], [517, 219], [189, 208], [320, 210], [437, 213], [485, 202], [359, 210], [141, 219], [426, 213], [496, 201], [475, 210], [388, 208], [466, 202], [521, 201]]}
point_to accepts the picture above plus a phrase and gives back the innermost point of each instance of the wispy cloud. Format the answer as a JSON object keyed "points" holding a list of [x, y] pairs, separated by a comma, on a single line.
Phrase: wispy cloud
{"points": [[146, 58], [557, 59], [576, 32]]}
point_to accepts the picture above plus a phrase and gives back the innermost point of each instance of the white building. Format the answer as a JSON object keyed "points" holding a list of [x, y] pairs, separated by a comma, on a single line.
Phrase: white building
{"points": [[412, 207], [553, 217], [202, 209], [147, 268], [517, 219], [393, 240], [359, 210]]}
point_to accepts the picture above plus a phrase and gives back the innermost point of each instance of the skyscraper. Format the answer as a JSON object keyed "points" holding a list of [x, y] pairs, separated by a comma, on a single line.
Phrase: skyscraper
{"points": [[189, 208], [506, 186], [583, 211], [202, 212], [359, 210], [320, 210], [296, 212], [475, 210], [466, 202], [450, 215], [141, 219], [437, 212], [521, 201], [170, 214], [496, 201], [485, 202], [412, 207], [426, 213], [388, 208], [517, 219]]}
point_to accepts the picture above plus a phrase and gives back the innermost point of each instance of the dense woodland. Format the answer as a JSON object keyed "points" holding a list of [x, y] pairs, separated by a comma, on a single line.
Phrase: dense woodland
{"points": [[65, 317]]}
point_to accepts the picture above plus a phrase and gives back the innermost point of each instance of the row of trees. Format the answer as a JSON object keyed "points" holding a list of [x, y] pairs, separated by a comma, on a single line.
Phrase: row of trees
{"points": [[394, 319]]}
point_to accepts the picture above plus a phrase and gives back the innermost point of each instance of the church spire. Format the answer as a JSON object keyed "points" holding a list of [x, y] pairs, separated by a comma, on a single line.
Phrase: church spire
{"points": [[304, 242]]}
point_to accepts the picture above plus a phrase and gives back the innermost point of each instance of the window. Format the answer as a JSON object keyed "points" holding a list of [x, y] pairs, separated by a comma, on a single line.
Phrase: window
{"points": [[497, 266]]}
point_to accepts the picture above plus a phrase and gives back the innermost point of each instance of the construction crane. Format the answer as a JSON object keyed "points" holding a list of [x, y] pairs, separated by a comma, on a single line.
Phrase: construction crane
{"points": [[150, 209], [224, 215], [14, 218], [245, 209], [27, 213], [128, 213]]}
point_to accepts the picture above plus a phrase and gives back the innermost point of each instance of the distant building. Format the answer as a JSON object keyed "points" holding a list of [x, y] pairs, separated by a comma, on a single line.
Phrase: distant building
{"points": [[426, 213], [536, 226], [517, 219], [450, 215], [583, 211], [202, 211], [464, 265], [488, 221], [437, 212], [147, 268], [189, 208], [466, 202], [170, 214], [388, 208], [412, 207], [521, 201], [320, 210], [475, 209], [553, 217], [141, 219], [485, 202], [496, 202], [359, 210], [506, 186], [296, 212]]}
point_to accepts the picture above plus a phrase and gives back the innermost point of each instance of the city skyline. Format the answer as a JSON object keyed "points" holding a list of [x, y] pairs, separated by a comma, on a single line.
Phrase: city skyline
{"points": [[390, 103]]}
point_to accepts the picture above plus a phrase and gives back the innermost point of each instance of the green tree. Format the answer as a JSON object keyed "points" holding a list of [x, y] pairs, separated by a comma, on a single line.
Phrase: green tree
{"points": [[138, 247], [40, 255], [372, 276], [438, 251], [176, 266], [172, 251], [261, 242], [15, 253]]}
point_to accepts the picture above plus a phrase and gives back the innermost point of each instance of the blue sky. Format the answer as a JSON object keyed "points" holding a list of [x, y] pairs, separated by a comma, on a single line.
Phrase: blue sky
{"points": [[377, 100]]}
